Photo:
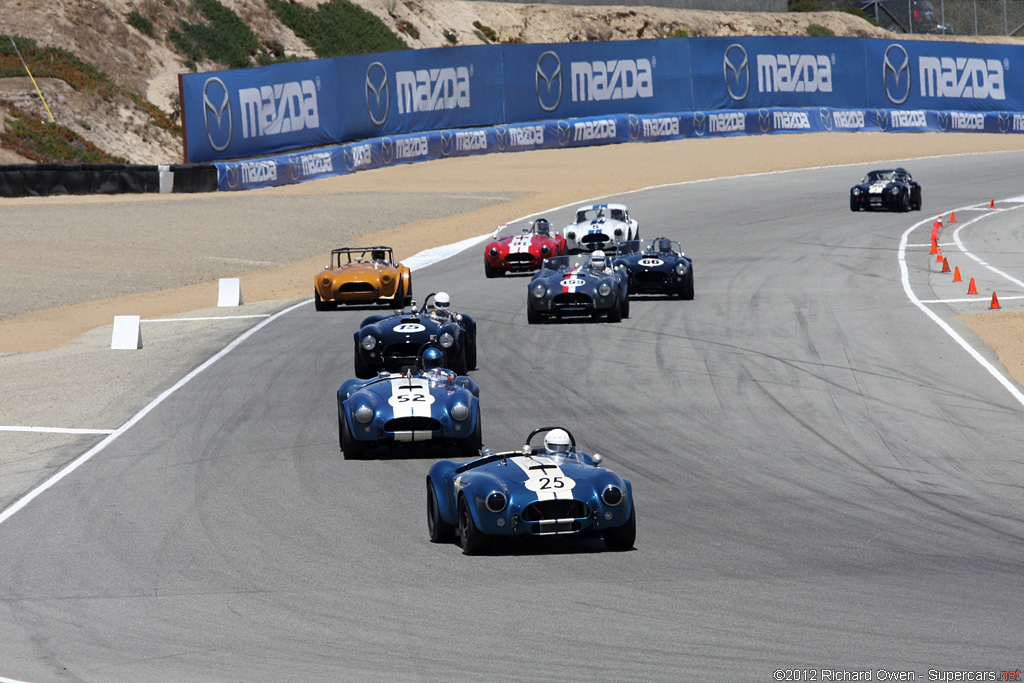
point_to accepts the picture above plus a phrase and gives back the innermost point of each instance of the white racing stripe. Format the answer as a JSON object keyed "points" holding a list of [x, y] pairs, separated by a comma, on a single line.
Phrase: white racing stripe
{"points": [[545, 478], [410, 397], [520, 244]]}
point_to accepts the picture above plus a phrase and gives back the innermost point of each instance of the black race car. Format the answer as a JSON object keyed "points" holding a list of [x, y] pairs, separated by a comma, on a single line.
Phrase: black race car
{"points": [[892, 189], [656, 266], [392, 342]]}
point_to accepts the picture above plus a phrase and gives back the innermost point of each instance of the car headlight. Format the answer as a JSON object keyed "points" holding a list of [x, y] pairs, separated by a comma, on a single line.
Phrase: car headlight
{"points": [[496, 501], [459, 411], [856, 191], [604, 289], [681, 268], [363, 414], [894, 190], [446, 340], [368, 342], [571, 235], [618, 232], [326, 282], [494, 252], [545, 249], [538, 290], [612, 495]]}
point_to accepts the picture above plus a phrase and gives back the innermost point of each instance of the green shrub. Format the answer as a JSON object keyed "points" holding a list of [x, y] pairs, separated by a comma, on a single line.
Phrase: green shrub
{"points": [[140, 23], [224, 39], [819, 31], [337, 28], [681, 32], [487, 32], [807, 6], [46, 142]]}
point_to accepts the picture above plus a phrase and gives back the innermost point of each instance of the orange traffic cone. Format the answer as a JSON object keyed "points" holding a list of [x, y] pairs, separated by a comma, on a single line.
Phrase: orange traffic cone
{"points": [[952, 216], [945, 265], [971, 289], [935, 247], [937, 224], [995, 302], [991, 203], [956, 274], [938, 257]]}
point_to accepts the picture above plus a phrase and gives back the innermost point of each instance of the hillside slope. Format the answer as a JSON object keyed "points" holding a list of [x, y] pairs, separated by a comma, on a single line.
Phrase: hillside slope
{"points": [[99, 33]]}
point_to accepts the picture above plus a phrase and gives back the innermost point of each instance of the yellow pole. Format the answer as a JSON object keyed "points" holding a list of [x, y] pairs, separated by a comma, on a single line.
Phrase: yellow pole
{"points": [[31, 77]]}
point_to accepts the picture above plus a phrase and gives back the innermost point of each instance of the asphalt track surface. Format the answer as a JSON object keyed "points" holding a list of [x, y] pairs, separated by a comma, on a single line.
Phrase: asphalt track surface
{"points": [[825, 477]]}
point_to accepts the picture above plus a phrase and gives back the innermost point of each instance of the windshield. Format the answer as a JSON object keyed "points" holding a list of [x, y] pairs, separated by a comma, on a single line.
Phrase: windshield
{"points": [[566, 262], [875, 176], [662, 246]]}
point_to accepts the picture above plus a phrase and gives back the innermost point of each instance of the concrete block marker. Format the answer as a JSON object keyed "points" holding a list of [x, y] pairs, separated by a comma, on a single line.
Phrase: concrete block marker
{"points": [[166, 179], [230, 292], [127, 332]]}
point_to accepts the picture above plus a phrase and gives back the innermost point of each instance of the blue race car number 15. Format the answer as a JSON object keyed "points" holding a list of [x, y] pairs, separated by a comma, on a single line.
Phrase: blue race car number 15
{"points": [[409, 328]]}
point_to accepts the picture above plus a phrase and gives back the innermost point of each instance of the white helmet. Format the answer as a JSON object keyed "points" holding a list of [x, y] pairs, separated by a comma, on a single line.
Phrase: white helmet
{"points": [[597, 260], [557, 441], [442, 300]]}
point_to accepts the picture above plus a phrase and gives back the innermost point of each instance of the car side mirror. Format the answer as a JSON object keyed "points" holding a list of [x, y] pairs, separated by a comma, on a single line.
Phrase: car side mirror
{"points": [[597, 458], [527, 450]]}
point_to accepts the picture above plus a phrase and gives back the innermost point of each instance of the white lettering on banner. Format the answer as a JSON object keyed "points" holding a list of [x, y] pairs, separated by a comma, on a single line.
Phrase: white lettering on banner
{"points": [[1018, 122], [409, 148], [909, 119], [962, 77], [526, 136], [361, 155], [961, 120], [661, 127], [467, 142], [593, 130], [727, 123], [848, 119], [320, 162], [794, 73], [258, 172], [279, 108], [790, 120], [432, 89], [623, 79]]}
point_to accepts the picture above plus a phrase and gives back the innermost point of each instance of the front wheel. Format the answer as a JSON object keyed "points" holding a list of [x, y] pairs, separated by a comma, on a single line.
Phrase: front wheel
{"points": [[491, 271], [615, 313], [319, 303], [533, 316], [470, 446], [625, 308], [686, 291], [440, 530], [472, 540], [622, 537], [350, 446]]}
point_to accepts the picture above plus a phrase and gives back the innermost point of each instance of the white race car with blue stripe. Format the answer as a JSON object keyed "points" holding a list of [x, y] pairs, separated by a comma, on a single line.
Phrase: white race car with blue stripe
{"points": [[529, 493], [600, 226]]}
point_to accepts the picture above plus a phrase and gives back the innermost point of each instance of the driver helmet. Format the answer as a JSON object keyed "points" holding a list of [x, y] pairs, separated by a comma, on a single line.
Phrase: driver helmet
{"points": [[664, 244], [442, 301], [557, 441], [431, 357], [378, 255], [597, 260], [542, 227]]}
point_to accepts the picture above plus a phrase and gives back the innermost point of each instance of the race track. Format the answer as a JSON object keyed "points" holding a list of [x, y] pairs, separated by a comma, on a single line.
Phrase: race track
{"points": [[824, 477]]}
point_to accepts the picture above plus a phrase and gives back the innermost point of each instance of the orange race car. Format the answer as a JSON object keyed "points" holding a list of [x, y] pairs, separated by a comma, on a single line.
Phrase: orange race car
{"points": [[362, 275]]}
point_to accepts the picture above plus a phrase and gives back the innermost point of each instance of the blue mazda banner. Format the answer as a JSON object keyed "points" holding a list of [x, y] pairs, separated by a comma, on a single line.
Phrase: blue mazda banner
{"points": [[589, 79], [247, 112]]}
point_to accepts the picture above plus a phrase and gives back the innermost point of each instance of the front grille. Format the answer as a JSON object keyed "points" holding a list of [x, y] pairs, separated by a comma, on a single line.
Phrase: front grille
{"points": [[651, 277], [595, 237], [357, 288], [572, 299], [403, 353], [412, 424], [555, 509], [519, 258]]}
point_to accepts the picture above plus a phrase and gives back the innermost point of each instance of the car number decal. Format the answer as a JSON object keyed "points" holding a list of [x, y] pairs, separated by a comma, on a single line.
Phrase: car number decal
{"points": [[409, 328], [519, 244], [545, 478], [411, 397], [573, 282], [650, 262]]}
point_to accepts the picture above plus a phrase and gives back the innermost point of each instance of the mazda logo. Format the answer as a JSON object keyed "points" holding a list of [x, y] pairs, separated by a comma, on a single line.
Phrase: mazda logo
{"points": [[295, 167], [564, 130], [764, 119], [501, 137], [378, 96], [346, 153], [1004, 122], [447, 140], [896, 64], [700, 123], [736, 67], [387, 150], [549, 81], [232, 175], [635, 129], [826, 118], [882, 119], [943, 117], [217, 112]]}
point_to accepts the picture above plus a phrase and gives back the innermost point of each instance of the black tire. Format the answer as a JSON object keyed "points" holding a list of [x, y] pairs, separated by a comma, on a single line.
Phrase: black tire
{"points": [[399, 299], [341, 434], [905, 202], [362, 370], [470, 446], [622, 537], [853, 206], [686, 291], [491, 271], [471, 355], [408, 295], [458, 363], [917, 202], [533, 316], [440, 530], [625, 308], [472, 540], [615, 313], [319, 303], [352, 448]]}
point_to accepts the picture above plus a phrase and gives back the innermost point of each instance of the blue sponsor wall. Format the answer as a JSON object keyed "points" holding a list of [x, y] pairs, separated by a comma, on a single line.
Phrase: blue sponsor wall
{"points": [[376, 110]]}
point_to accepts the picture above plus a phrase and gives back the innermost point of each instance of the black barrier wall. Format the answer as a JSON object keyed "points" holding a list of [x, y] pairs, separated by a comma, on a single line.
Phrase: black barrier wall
{"points": [[41, 180]]}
